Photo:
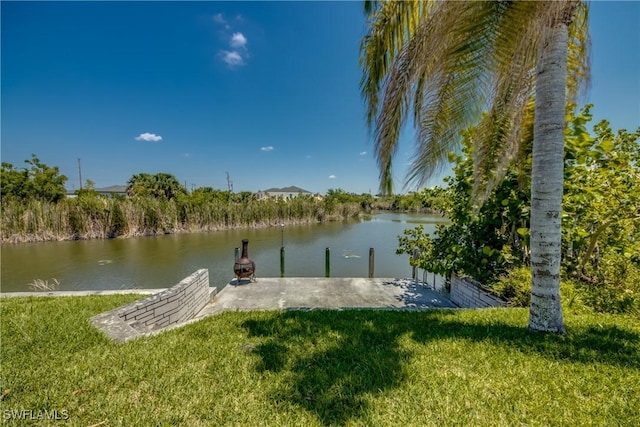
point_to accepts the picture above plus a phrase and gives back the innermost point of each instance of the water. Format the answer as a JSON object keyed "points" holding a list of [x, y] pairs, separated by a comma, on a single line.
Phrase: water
{"points": [[162, 261]]}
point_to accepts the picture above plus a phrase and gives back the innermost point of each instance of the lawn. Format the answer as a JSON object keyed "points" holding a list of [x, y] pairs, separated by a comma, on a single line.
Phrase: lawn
{"points": [[370, 368]]}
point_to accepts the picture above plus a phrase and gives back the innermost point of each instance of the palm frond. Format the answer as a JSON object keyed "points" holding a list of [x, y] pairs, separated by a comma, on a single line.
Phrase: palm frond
{"points": [[510, 121], [447, 62], [390, 24], [579, 54], [499, 134], [370, 6], [458, 81]]}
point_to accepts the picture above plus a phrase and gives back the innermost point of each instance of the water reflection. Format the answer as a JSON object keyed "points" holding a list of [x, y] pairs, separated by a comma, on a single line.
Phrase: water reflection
{"points": [[161, 261]]}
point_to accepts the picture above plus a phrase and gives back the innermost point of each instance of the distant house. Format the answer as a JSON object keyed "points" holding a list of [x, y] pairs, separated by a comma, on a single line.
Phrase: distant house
{"points": [[282, 193], [115, 190]]}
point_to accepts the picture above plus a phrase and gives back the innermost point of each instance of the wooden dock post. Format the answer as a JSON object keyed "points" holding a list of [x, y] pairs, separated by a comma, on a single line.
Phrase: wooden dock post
{"points": [[236, 254], [372, 253], [282, 261], [327, 262]]}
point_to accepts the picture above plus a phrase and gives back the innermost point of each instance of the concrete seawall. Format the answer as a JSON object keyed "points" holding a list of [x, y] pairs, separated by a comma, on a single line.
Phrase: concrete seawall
{"points": [[81, 293], [468, 293], [171, 307]]}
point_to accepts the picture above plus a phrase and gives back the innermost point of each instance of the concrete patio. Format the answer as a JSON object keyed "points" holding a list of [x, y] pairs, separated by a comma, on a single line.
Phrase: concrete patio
{"points": [[311, 293]]}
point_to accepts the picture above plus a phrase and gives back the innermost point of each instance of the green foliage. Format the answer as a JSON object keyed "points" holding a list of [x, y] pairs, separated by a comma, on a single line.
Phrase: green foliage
{"points": [[427, 200], [419, 247], [601, 214], [90, 215], [37, 182], [514, 287], [442, 63], [89, 190], [616, 286], [601, 222], [159, 186], [480, 242], [338, 195], [601, 209], [118, 223], [339, 202], [13, 181]]}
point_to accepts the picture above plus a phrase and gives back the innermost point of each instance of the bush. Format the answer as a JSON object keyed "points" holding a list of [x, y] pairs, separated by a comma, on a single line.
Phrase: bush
{"points": [[615, 292], [616, 288], [515, 287], [600, 247], [607, 299]]}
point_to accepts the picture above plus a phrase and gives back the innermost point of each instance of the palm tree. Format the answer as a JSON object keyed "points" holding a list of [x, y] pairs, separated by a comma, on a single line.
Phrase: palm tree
{"points": [[447, 62]]}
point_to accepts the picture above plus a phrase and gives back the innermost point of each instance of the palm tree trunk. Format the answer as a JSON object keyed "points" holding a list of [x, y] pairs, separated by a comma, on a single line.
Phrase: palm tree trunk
{"points": [[547, 182]]}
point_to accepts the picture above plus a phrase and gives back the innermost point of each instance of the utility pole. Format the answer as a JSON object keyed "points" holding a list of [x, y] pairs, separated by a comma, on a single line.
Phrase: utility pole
{"points": [[80, 173], [229, 183]]}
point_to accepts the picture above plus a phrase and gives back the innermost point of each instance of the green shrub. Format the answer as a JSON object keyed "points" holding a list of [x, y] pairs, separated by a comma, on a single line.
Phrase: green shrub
{"points": [[616, 288], [616, 291], [514, 287], [608, 299]]}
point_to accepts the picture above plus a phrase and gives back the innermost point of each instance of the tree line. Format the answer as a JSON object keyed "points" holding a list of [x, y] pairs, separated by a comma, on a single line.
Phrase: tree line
{"points": [[35, 206]]}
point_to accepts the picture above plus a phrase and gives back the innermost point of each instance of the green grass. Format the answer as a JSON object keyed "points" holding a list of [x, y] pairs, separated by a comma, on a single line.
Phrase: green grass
{"points": [[370, 368]]}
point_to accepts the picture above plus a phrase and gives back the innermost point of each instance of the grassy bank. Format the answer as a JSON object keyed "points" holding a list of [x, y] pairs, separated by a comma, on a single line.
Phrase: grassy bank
{"points": [[106, 217], [436, 368]]}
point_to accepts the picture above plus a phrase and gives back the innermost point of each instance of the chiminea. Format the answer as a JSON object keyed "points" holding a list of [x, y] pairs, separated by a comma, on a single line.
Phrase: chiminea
{"points": [[245, 267]]}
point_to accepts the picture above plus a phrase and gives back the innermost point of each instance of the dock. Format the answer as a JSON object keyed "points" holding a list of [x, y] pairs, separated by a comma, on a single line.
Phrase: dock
{"points": [[337, 293], [299, 293]]}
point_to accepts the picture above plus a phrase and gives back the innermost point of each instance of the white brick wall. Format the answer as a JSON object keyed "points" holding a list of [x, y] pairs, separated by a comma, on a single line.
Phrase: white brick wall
{"points": [[467, 293], [174, 305]]}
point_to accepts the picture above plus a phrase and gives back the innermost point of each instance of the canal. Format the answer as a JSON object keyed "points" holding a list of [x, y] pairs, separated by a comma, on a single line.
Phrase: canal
{"points": [[162, 261]]}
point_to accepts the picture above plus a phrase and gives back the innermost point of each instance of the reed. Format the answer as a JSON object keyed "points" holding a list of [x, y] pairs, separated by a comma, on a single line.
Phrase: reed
{"points": [[40, 285], [98, 217]]}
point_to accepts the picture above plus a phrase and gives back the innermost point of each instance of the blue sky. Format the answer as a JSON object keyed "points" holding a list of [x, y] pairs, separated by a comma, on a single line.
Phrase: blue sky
{"points": [[267, 91]]}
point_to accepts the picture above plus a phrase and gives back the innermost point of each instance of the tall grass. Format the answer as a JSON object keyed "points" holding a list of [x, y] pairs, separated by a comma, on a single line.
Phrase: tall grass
{"points": [[105, 217]]}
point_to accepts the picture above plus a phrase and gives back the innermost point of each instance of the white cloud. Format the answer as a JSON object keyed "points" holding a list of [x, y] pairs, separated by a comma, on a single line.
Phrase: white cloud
{"points": [[150, 137], [232, 58], [238, 40], [218, 18], [238, 53], [363, 153], [332, 177], [269, 148]]}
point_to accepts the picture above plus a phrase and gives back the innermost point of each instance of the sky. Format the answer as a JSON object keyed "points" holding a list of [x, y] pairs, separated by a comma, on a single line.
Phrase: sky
{"points": [[266, 91]]}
